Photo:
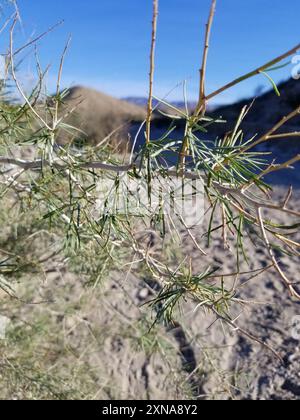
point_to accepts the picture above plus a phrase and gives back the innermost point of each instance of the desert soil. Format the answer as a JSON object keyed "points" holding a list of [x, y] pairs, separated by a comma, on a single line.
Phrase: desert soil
{"points": [[96, 340]]}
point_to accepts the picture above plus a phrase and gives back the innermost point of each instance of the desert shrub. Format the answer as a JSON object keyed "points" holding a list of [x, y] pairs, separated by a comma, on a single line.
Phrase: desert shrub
{"points": [[100, 211]]}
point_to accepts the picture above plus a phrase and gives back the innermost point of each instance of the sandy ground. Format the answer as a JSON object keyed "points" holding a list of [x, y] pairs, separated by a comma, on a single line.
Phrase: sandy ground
{"points": [[100, 337]]}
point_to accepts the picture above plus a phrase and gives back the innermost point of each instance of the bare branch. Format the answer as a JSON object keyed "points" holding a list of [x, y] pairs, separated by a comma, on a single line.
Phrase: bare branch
{"points": [[55, 118], [44, 123], [245, 333], [277, 167], [151, 74], [284, 135], [270, 134], [38, 38], [5, 24], [38, 164], [253, 72], [287, 282], [201, 102], [288, 197]]}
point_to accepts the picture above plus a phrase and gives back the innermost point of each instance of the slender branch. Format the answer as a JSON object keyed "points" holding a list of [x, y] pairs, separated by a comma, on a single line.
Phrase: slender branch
{"points": [[38, 164], [151, 74], [283, 121], [245, 333], [62, 60], [70, 112], [284, 135], [201, 102], [5, 24], [253, 73], [39, 37], [277, 167], [288, 197], [106, 167], [254, 202], [189, 231], [270, 134], [44, 123], [287, 282], [240, 273]]}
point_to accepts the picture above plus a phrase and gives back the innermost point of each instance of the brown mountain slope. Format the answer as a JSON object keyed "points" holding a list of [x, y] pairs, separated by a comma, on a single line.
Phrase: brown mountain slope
{"points": [[98, 115]]}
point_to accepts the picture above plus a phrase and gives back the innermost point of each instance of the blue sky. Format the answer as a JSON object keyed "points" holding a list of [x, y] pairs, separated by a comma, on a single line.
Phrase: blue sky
{"points": [[110, 42]]}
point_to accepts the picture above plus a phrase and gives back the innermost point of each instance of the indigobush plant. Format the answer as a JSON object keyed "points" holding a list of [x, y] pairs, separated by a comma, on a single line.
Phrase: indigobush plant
{"points": [[61, 185]]}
